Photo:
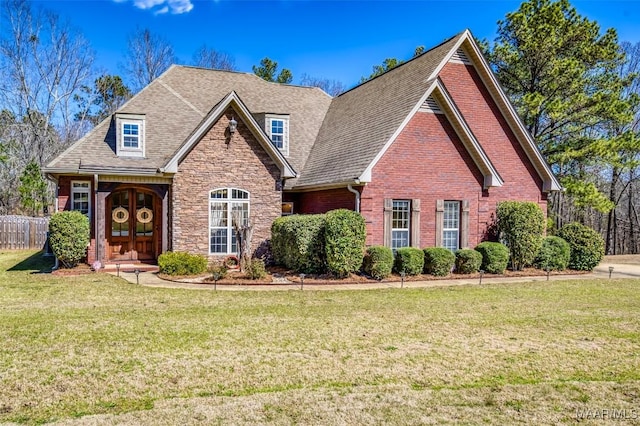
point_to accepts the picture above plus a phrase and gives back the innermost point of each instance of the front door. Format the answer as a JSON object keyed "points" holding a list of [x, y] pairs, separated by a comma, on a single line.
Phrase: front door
{"points": [[132, 215]]}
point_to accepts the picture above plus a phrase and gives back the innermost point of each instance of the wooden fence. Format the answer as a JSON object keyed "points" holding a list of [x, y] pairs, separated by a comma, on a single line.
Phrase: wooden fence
{"points": [[23, 232]]}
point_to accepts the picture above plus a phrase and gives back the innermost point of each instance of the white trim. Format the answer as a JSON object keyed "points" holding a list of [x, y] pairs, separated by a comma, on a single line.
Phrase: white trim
{"points": [[481, 159], [125, 119], [268, 120], [458, 209], [367, 173], [81, 190], [491, 175], [550, 183], [214, 115], [408, 219], [229, 200]]}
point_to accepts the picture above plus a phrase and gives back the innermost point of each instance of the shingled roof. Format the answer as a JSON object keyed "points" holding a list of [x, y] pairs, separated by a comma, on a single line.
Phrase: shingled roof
{"points": [[176, 103], [332, 142], [361, 121]]}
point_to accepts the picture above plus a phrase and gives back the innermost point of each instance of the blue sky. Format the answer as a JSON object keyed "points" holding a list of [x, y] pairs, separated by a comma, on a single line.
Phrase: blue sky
{"points": [[339, 40]]}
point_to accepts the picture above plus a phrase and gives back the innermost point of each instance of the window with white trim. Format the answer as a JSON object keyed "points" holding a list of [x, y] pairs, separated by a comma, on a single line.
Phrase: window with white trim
{"points": [[277, 127], [451, 225], [226, 205], [400, 224], [130, 135], [80, 196]]}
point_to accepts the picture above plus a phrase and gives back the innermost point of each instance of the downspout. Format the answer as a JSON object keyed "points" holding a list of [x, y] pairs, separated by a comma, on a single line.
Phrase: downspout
{"points": [[95, 216], [357, 194]]}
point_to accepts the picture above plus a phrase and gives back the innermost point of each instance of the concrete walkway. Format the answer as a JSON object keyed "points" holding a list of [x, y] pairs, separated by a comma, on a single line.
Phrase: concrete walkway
{"points": [[151, 279]]}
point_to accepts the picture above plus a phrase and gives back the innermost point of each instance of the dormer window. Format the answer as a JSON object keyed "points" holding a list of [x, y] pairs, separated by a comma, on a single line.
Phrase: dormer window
{"points": [[130, 135], [277, 127]]}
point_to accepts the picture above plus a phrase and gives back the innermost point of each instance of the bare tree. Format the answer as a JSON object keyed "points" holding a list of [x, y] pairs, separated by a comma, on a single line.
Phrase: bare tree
{"points": [[148, 56], [43, 64], [208, 57], [332, 87]]}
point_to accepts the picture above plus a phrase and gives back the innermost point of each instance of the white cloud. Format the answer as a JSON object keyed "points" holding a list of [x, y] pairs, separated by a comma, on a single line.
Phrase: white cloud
{"points": [[160, 7]]}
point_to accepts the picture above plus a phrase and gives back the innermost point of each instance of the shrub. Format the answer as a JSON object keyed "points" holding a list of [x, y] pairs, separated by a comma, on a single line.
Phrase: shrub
{"points": [[521, 225], [255, 269], [409, 260], [344, 236], [587, 246], [378, 262], [468, 261], [69, 237], [297, 242], [218, 271], [438, 261], [181, 263], [495, 257], [554, 254]]}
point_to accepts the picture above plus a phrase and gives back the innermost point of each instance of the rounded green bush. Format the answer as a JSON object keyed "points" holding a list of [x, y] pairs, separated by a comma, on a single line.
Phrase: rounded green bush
{"points": [[521, 225], [378, 262], [438, 261], [297, 242], [587, 246], [495, 257], [69, 237], [554, 254], [409, 260], [344, 238], [468, 261], [181, 263]]}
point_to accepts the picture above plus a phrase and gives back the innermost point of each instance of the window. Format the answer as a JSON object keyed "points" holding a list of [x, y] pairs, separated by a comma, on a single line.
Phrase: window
{"points": [[277, 128], [130, 135], [130, 131], [80, 191], [400, 223], [451, 225], [226, 206], [287, 208]]}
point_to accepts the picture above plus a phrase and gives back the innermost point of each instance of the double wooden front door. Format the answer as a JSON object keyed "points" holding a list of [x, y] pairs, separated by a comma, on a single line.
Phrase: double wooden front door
{"points": [[131, 225]]}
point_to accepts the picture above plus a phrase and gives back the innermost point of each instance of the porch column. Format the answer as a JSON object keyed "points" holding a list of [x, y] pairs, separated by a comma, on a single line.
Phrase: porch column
{"points": [[101, 250], [165, 221]]}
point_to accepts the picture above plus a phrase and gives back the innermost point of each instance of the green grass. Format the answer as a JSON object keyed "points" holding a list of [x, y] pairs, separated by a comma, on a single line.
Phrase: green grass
{"points": [[95, 345]]}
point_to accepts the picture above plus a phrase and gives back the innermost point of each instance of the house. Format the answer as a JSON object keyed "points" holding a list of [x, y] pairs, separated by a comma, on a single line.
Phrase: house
{"points": [[424, 152]]}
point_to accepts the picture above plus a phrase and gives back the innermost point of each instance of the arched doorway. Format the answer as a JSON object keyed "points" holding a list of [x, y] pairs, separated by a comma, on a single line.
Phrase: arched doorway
{"points": [[131, 225]]}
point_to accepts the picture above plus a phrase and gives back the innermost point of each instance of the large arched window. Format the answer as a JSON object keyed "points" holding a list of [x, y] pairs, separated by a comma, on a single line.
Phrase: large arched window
{"points": [[226, 205]]}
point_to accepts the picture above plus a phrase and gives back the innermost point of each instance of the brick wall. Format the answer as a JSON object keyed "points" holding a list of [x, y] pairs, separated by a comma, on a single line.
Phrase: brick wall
{"points": [[213, 164], [429, 162], [322, 201]]}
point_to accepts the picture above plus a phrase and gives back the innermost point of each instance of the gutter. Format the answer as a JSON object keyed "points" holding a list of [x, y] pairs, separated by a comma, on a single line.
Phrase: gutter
{"points": [[357, 194]]}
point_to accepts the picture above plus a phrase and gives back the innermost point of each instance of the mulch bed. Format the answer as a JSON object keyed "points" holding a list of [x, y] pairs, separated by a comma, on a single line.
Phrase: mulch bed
{"points": [[275, 275]]}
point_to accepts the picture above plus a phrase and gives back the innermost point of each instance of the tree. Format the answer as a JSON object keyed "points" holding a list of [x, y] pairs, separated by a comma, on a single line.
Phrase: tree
{"points": [[33, 189], [332, 87], [207, 57], [559, 72], [108, 94], [268, 69], [148, 56], [43, 65], [389, 64]]}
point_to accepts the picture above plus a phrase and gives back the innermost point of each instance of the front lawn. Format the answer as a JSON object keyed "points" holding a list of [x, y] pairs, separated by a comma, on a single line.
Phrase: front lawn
{"points": [[542, 352]]}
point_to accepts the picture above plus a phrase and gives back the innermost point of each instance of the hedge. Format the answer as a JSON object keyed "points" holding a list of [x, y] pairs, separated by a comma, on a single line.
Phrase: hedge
{"points": [[409, 260], [468, 261], [495, 257], [181, 263], [587, 246], [378, 262], [344, 238], [438, 261], [297, 242], [521, 225], [554, 254], [69, 237]]}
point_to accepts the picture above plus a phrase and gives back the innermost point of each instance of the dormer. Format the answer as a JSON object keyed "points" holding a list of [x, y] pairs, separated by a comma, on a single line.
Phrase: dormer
{"points": [[276, 126], [130, 135]]}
